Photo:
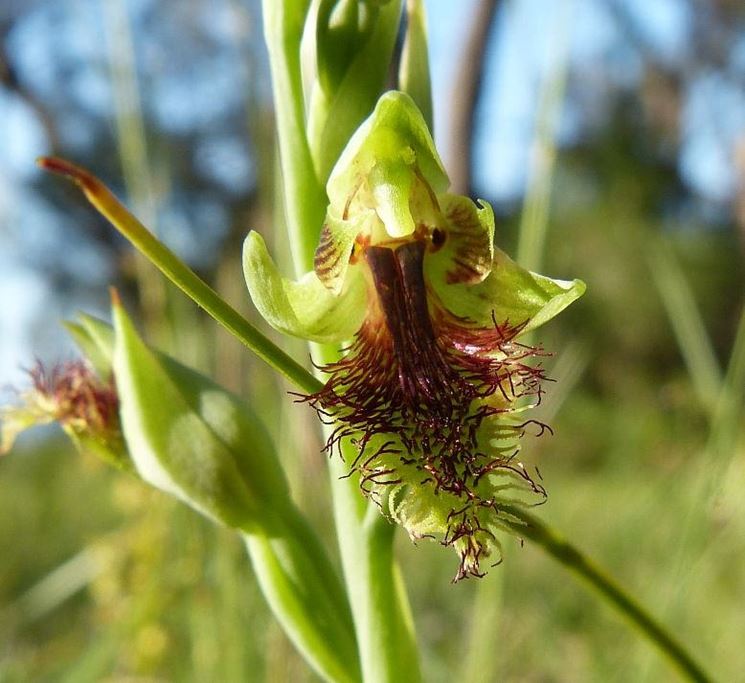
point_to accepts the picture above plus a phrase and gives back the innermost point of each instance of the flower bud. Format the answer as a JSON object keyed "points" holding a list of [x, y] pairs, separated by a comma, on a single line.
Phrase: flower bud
{"points": [[347, 49], [191, 438]]}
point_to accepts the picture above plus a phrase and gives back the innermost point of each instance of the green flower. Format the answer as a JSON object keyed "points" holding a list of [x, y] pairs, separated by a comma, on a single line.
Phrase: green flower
{"points": [[433, 386]]}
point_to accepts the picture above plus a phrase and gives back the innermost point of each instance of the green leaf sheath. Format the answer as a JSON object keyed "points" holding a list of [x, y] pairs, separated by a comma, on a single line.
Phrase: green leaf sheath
{"points": [[306, 596], [413, 75], [196, 441], [192, 439], [385, 629], [304, 198]]}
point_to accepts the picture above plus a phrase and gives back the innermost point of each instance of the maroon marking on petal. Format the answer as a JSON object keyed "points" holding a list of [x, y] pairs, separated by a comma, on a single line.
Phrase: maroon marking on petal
{"points": [[470, 242], [327, 257]]}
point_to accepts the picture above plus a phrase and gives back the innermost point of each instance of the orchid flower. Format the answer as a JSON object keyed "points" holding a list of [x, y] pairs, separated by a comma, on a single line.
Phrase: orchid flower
{"points": [[434, 381]]}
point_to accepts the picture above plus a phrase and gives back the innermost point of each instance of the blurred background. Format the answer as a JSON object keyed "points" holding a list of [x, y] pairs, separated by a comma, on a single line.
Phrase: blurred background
{"points": [[609, 136]]}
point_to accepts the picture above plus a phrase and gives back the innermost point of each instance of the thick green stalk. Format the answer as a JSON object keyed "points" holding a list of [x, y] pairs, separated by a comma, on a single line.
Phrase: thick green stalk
{"points": [[378, 601], [565, 553], [388, 651], [380, 607], [306, 596], [305, 199]]}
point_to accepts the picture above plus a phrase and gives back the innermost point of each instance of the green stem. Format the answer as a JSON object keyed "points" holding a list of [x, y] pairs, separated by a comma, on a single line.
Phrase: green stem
{"points": [[305, 199], [378, 601], [380, 609], [181, 275], [307, 597], [562, 551]]}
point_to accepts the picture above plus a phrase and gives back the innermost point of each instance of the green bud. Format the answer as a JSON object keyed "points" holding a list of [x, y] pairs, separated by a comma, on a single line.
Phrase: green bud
{"points": [[350, 43], [79, 395], [341, 26], [81, 401], [191, 438]]}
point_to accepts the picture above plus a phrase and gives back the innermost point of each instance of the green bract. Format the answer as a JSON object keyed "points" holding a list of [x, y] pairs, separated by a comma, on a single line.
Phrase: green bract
{"points": [[413, 72], [434, 386], [183, 434], [347, 47], [191, 438]]}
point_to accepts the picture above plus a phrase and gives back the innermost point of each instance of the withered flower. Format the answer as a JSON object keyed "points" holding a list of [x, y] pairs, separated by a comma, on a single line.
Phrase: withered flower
{"points": [[433, 386], [73, 395]]}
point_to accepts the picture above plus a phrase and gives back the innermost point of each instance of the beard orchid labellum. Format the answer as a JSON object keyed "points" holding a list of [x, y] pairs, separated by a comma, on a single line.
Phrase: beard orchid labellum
{"points": [[432, 388]]}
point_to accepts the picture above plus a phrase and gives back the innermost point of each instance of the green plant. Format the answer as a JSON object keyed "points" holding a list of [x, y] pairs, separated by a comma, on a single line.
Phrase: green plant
{"points": [[360, 163]]}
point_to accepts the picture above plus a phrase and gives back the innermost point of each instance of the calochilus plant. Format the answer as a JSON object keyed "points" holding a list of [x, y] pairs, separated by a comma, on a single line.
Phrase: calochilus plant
{"points": [[424, 379]]}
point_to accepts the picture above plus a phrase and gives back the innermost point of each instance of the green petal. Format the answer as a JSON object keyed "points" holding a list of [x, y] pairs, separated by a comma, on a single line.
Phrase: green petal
{"points": [[306, 308], [509, 294], [384, 156]]}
